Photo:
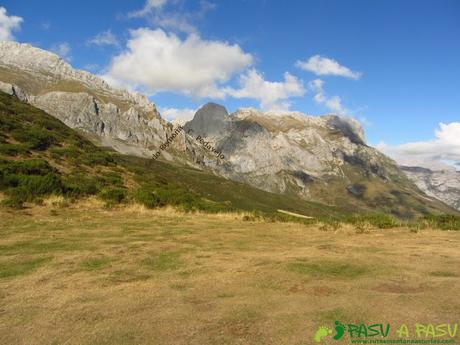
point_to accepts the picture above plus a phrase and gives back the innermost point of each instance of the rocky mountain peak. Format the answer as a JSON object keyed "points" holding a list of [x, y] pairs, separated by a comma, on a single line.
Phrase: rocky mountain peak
{"points": [[211, 119]]}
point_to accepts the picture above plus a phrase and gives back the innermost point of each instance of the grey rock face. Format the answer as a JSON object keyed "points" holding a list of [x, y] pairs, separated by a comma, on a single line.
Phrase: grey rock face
{"points": [[210, 120], [289, 151], [442, 184], [13, 90]]}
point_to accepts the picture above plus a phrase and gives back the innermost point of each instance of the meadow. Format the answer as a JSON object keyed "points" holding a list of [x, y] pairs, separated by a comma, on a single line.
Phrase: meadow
{"points": [[82, 273]]}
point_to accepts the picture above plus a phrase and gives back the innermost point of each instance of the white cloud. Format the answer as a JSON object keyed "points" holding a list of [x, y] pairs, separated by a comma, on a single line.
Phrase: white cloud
{"points": [[156, 61], [169, 14], [432, 153], [62, 49], [149, 6], [177, 116], [273, 96], [325, 66], [104, 38], [333, 103], [8, 24]]}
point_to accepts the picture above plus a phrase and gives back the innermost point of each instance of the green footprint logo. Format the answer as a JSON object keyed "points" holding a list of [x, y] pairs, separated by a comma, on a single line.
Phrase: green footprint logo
{"points": [[339, 330], [322, 332]]}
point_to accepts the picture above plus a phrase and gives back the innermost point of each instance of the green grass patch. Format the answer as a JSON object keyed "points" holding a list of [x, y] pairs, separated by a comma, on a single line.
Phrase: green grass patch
{"points": [[445, 274], [331, 315], [94, 264], [328, 269], [15, 268], [164, 262], [37, 246]]}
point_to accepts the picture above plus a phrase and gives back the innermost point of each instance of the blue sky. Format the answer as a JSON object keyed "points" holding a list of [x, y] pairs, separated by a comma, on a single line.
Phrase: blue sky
{"points": [[394, 65]]}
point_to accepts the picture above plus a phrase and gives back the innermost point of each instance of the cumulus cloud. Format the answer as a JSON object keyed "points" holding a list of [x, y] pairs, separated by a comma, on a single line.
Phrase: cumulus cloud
{"points": [[104, 38], [272, 95], [437, 153], [324, 66], [8, 24], [333, 103], [157, 61], [178, 116], [62, 49]]}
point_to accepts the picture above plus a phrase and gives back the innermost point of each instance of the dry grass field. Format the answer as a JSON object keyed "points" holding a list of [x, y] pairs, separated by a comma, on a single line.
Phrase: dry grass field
{"points": [[87, 275]]}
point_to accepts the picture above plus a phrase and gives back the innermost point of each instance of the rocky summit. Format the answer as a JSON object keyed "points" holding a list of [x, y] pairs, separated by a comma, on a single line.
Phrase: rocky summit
{"points": [[319, 158]]}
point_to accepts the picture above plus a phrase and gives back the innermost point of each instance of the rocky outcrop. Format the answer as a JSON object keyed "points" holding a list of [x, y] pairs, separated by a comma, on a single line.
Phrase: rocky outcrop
{"points": [[441, 184], [276, 151]]}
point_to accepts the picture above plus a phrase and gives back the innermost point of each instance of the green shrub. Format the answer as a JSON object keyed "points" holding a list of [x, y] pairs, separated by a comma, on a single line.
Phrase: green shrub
{"points": [[147, 198], [113, 195], [29, 187], [379, 220], [12, 149], [35, 138], [7, 124], [97, 158], [109, 179], [443, 221], [13, 203], [76, 185], [70, 152], [177, 197], [27, 167]]}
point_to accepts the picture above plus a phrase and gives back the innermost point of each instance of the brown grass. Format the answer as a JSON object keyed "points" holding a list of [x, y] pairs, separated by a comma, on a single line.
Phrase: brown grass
{"points": [[87, 275]]}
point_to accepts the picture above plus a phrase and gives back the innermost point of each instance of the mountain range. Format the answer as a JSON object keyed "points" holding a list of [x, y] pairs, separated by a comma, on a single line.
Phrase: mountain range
{"points": [[317, 158]]}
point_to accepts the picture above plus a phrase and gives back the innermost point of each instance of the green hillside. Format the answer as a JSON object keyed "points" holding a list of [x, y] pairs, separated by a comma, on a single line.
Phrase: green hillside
{"points": [[40, 156]]}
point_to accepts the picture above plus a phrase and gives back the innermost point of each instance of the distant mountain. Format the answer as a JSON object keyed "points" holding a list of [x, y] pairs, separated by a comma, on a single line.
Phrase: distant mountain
{"points": [[441, 184], [321, 158], [317, 158]]}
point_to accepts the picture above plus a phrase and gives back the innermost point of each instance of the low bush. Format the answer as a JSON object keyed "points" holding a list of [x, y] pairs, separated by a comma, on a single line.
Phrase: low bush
{"points": [[77, 185], [12, 149], [113, 196], [147, 198], [27, 167], [443, 221], [35, 138], [29, 187], [378, 220]]}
